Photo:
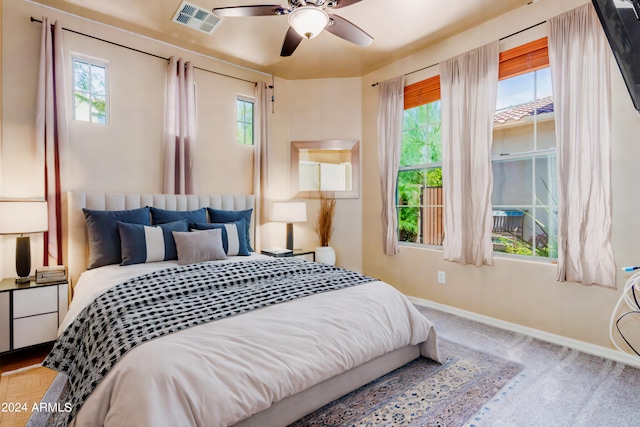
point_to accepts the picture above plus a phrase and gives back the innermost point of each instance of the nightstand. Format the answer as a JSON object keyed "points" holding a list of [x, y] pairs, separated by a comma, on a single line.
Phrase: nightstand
{"points": [[296, 253], [30, 313]]}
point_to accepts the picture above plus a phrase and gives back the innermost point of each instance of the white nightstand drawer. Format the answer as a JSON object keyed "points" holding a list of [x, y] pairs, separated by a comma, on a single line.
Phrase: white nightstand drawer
{"points": [[28, 302], [35, 329]]}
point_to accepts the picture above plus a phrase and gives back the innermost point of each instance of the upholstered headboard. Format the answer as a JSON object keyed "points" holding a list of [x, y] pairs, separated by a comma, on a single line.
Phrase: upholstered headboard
{"points": [[76, 246]]}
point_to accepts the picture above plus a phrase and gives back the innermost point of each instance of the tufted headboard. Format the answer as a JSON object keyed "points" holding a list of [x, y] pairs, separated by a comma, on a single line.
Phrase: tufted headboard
{"points": [[75, 244]]}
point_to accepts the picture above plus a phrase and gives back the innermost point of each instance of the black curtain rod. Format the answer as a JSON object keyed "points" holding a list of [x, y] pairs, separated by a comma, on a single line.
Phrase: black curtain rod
{"points": [[143, 52], [502, 38]]}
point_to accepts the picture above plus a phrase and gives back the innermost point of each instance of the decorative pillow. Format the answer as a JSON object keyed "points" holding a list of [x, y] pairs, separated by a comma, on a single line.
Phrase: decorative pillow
{"points": [[220, 216], [199, 246], [103, 235], [163, 216], [234, 239], [143, 243]]}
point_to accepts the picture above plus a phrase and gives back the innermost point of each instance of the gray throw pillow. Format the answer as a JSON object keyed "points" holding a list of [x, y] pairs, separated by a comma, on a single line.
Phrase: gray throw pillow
{"points": [[199, 246]]}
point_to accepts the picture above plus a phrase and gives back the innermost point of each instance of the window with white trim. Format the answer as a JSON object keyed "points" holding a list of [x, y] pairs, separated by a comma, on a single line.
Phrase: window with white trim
{"points": [[90, 90], [524, 198], [419, 189], [245, 118]]}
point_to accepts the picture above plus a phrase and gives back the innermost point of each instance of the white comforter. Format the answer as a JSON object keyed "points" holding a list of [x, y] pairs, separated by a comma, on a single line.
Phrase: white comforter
{"points": [[219, 373]]}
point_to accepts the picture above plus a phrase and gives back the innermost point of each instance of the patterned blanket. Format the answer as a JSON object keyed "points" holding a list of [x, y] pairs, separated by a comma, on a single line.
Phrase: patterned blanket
{"points": [[173, 299]]}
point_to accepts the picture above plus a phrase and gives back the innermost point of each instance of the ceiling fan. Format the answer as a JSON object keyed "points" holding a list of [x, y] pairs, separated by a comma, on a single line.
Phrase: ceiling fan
{"points": [[307, 19]]}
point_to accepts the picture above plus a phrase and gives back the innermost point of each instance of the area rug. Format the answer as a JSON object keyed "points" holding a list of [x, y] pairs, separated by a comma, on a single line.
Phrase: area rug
{"points": [[422, 393]]}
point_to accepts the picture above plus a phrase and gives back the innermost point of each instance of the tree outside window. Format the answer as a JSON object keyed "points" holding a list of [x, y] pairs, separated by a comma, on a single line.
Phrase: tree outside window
{"points": [[419, 194]]}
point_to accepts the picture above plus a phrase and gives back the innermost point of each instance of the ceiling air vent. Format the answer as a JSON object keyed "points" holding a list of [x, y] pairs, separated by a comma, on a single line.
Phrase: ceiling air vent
{"points": [[195, 17]]}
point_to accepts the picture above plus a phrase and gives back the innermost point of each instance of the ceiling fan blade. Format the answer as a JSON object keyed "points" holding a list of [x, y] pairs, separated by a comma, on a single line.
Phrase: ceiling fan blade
{"points": [[345, 3], [291, 42], [257, 10], [348, 31]]}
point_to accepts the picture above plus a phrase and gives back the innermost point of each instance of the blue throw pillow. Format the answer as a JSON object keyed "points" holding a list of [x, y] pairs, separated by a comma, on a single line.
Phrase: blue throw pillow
{"points": [[234, 239], [103, 235], [220, 216], [144, 243], [162, 216]]}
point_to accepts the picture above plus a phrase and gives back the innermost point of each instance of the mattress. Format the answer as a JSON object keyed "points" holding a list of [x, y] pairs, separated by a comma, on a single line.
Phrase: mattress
{"points": [[222, 372]]}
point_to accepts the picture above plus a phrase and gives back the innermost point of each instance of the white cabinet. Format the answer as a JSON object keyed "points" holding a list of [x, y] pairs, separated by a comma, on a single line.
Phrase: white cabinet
{"points": [[30, 314]]}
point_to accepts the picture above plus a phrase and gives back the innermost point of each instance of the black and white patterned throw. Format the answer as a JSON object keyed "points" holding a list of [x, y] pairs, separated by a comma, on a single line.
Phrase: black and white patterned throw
{"points": [[173, 299]]}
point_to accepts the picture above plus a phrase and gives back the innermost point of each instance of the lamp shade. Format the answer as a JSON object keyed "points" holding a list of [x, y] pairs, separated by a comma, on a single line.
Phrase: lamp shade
{"points": [[308, 21], [18, 216], [289, 212]]}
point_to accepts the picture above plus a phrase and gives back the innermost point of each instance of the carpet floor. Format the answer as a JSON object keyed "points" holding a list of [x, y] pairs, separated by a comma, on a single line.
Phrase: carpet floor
{"points": [[422, 393], [557, 387]]}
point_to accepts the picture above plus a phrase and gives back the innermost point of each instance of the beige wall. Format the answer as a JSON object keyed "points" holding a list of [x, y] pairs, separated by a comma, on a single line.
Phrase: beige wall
{"points": [[317, 110], [521, 292], [126, 154]]}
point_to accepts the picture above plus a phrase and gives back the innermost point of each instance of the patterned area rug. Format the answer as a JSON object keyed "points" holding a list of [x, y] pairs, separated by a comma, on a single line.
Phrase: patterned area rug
{"points": [[422, 393]]}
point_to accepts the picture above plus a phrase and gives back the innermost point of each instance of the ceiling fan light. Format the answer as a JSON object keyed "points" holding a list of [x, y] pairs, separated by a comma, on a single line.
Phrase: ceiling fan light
{"points": [[308, 21]]}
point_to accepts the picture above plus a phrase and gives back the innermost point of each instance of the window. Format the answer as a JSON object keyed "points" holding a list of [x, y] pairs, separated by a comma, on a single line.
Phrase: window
{"points": [[524, 195], [419, 194], [90, 91], [245, 121], [524, 198]]}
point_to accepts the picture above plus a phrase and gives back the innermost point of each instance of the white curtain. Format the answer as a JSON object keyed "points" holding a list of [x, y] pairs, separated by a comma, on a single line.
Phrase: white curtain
{"points": [[579, 57], [261, 159], [52, 137], [390, 116], [469, 85], [180, 129]]}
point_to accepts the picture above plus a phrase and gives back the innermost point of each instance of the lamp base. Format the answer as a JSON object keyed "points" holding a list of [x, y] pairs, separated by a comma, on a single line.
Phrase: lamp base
{"points": [[289, 236], [23, 259]]}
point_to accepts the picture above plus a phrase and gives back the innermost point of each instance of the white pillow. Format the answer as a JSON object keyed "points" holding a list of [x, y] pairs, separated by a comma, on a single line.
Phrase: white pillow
{"points": [[199, 246]]}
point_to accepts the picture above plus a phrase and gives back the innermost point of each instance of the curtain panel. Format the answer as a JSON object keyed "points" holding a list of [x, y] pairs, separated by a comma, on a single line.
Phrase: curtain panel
{"points": [[390, 116], [52, 136], [180, 129], [469, 86], [261, 159], [580, 58]]}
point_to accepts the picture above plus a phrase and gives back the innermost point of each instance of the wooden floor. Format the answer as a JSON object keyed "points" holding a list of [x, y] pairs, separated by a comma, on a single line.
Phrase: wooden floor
{"points": [[19, 391]]}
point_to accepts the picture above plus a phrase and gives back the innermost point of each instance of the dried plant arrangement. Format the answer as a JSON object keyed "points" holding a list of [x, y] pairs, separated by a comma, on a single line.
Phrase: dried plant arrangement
{"points": [[325, 217]]}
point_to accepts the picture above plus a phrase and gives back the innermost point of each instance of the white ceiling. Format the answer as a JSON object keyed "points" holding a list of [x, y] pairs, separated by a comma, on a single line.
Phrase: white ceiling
{"points": [[399, 28]]}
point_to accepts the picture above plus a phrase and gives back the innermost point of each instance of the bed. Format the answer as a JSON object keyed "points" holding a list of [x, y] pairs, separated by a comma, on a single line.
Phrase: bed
{"points": [[327, 333]]}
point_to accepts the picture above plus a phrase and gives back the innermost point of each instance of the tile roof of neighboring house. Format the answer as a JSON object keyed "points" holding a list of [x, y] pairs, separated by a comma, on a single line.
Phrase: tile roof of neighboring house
{"points": [[543, 105]]}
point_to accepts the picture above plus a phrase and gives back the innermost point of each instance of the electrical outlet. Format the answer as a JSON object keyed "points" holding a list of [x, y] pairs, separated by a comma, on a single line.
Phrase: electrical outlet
{"points": [[441, 277]]}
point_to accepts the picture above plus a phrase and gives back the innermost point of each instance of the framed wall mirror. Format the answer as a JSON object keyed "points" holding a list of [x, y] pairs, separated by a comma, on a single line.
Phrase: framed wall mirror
{"points": [[331, 165]]}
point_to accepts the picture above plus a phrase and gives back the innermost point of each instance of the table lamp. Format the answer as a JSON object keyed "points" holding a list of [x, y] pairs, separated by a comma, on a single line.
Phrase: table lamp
{"points": [[22, 216], [289, 212]]}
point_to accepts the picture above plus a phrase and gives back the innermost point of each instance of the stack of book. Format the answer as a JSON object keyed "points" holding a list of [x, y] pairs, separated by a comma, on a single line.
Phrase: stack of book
{"points": [[277, 252], [53, 274]]}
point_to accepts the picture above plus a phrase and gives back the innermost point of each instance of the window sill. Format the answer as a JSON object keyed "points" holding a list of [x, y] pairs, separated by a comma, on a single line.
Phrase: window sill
{"points": [[498, 255]]}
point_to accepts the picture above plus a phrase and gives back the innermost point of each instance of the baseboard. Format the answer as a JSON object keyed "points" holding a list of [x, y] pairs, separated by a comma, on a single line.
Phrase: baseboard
{"points": [[19, 370], [582, 346]]}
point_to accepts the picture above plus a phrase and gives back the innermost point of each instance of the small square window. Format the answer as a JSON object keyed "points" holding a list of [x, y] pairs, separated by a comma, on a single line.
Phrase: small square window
{"points": [[244, 131], [90, 91]]}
